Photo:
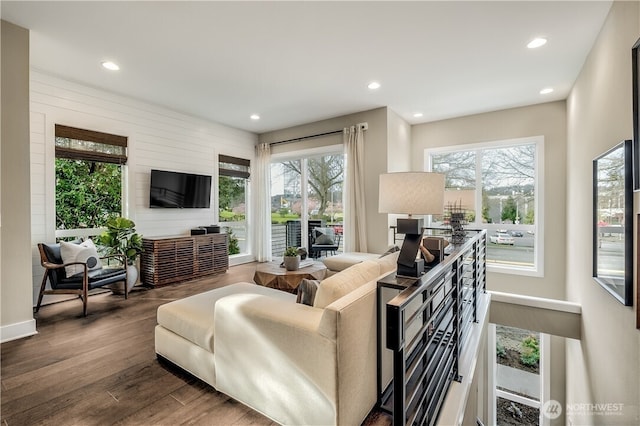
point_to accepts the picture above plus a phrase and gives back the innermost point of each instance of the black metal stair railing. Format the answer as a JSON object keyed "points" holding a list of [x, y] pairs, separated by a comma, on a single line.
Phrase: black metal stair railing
{"points": [[426, 327]]}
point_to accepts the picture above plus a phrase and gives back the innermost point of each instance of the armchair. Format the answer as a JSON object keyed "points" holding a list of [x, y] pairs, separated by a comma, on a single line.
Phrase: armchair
{"points": [[323, 240], [79, 283]]}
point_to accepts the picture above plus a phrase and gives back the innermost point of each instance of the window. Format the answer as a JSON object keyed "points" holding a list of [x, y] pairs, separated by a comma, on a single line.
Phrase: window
{"points": [[506, 179], [88, 169], [305, 193], [520, 379], [232, 200]]}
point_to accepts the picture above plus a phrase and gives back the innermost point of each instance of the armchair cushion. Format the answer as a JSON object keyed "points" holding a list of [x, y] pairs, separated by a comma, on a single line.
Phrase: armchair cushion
{"points": [[84, 252], [96, 278]]}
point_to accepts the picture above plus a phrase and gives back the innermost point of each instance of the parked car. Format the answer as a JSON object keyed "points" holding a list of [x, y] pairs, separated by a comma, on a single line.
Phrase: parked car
{"points": [[516, 233], [501, 238]]}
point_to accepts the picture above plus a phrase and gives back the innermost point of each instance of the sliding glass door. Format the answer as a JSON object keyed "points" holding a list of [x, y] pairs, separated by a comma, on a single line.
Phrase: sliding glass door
{"points": [[306, 195]]}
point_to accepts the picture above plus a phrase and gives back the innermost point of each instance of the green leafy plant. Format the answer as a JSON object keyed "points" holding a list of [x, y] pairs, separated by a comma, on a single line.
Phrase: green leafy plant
{"points": [[500, 350], [530, 354], [121, 238], [291, 252], [234, 246]]}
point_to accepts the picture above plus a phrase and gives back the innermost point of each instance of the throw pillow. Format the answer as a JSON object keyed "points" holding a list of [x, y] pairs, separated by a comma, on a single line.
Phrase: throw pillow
{"points": [[307, 291], [324, 236], [84, 252], [391, 249]]}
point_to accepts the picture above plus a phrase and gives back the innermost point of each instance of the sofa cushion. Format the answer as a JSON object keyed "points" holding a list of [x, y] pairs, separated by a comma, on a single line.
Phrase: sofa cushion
{"points": [[338, 285], [388, 263], [340, 262], [192, 317], [391, 249], [307, 290]]}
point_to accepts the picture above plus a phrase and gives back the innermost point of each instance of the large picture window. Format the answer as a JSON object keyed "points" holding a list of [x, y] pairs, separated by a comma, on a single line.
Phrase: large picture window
{"points": [[505, 176], [89, 176], [232, 200]]}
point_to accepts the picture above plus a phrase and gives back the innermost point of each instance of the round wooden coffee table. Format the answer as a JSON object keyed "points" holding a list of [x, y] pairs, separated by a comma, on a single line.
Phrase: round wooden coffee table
{"points": [[271, 274]]}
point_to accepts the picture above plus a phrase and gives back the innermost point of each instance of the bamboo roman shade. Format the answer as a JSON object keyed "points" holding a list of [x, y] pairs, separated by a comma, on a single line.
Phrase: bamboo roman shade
{"points": [[89, 145], [233, 166]]}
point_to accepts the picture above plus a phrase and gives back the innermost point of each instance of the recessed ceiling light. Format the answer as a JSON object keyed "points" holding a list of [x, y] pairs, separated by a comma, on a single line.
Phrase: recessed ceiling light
{"points": [[112, 66], [255, 117], [417, 114], [374, 85], [546, 91], [537, 42]]}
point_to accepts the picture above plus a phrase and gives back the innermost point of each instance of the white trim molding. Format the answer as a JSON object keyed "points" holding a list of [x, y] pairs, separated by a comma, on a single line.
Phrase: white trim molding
{"points": [[18, 330]]}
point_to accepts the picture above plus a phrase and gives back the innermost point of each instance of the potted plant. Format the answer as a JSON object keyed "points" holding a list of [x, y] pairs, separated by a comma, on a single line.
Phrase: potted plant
{"points": [[121, 238], [291, 259]]}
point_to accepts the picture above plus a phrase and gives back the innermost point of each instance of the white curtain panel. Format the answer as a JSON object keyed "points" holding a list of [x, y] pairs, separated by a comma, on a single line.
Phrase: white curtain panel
{"points": [[262, 235], [355, 229]]}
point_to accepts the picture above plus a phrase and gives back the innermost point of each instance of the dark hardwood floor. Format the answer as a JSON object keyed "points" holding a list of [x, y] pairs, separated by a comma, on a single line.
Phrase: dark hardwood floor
{"points": [[102, 369]]}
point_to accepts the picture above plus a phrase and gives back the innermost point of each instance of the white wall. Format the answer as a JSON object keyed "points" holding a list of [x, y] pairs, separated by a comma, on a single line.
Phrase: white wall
{"points": [[16, 318], [158, 138], [603, 367]]}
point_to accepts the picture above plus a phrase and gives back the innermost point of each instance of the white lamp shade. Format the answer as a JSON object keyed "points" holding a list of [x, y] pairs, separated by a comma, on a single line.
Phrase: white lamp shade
{"points": [[464, 199], [411, 193]]}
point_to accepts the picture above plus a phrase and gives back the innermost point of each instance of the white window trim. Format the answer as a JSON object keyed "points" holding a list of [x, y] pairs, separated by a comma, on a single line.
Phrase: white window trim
{"points": [[538, 269]]}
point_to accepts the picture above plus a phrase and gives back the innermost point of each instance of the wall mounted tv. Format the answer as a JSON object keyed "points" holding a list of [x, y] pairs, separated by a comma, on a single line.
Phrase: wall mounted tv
{"points": [[179, 190]]}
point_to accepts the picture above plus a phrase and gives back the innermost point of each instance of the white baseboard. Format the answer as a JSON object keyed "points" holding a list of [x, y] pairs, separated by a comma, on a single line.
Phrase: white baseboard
{"points": [[17, 330]]}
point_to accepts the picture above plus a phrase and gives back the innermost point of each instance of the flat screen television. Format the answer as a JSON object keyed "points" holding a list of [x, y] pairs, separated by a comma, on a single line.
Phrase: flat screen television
{"points": [[179, 190]]}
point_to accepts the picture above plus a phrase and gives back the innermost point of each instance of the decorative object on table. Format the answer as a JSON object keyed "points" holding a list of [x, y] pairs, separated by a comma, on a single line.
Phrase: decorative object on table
{"points": [[121, 238], [302, 252], [613, 222], [411, 193], [456, 205], [291, 259]]}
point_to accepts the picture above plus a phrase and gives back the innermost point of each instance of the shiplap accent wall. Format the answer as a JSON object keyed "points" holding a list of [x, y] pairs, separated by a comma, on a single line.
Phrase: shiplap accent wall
{"points": [[158, 138]]}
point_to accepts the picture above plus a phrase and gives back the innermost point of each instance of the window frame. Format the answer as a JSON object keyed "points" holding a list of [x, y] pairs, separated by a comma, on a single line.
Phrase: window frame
{"points": [[537, 270], [241, 171], [75, 133], [303, 155]]}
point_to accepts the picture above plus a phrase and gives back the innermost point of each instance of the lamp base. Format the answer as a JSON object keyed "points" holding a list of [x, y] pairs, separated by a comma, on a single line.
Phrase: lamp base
{"points": [[410, 226], [416, 270]]}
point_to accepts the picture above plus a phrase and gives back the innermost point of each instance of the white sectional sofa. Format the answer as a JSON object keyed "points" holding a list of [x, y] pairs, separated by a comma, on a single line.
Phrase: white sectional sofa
{"points": [[294, 363]]}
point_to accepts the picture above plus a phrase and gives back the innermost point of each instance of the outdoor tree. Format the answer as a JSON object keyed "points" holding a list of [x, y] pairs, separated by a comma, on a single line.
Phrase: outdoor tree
{"points": [[326, 173], [88, 193], [509, 210], [231, 192]]}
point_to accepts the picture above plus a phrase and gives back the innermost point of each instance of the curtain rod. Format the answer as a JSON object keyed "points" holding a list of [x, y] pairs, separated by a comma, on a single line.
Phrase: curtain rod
{"points": [[306, 137], [363, 126]]}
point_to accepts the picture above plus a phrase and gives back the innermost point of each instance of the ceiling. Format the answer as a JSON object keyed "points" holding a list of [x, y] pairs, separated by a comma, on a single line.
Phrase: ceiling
{"points": [[298, 62]]}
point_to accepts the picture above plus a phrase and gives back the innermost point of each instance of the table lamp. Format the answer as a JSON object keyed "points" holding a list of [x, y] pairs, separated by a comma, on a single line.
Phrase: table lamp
{"points": [[411, 193]]}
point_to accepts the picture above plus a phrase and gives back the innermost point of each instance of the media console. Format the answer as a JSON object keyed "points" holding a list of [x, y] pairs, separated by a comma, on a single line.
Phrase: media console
{"points": [[167, 260]]}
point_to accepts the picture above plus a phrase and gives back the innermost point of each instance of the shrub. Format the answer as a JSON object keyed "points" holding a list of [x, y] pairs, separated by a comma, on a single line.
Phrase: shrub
{"points": [[234, 247], [530, 351], [500, 350]]}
